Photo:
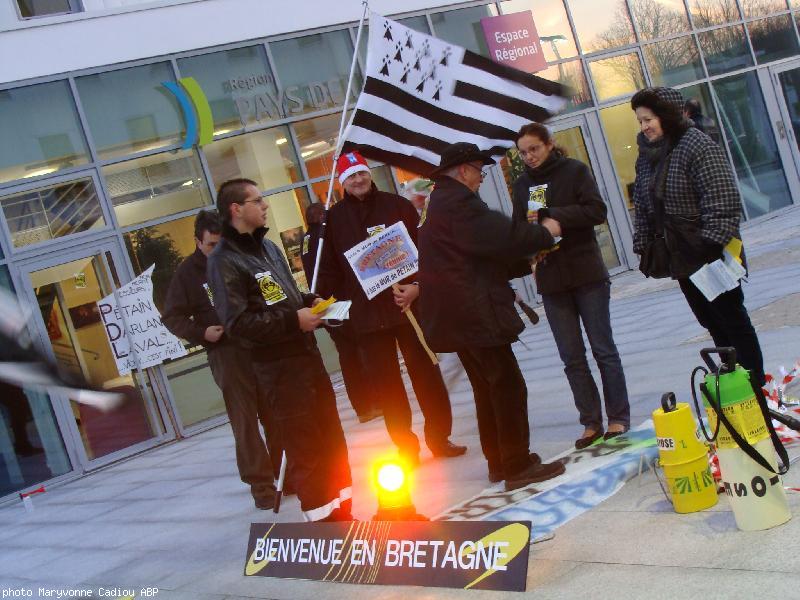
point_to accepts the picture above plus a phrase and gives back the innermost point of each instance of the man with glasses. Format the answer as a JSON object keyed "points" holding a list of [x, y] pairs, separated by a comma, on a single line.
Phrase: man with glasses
{"points": [[467, 255], [265, 314], [379, 324], [189, 313]]}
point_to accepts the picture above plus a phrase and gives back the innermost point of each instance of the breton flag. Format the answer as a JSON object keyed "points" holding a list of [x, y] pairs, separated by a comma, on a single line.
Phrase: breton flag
{"points": [[422, 94]]}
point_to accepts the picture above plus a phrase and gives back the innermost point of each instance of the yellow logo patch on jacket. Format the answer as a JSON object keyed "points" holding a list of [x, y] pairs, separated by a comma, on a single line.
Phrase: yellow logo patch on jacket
{"points": [[271, 290]]}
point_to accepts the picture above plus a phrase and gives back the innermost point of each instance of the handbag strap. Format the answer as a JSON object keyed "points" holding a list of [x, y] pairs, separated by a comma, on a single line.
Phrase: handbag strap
{"points": [[658, 191]]}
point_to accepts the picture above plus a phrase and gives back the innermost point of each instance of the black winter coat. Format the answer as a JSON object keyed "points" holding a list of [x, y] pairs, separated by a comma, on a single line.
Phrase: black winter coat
{"points": [[349, 223], [466, 253], [572, 199], [256, 296], [188, 310]]}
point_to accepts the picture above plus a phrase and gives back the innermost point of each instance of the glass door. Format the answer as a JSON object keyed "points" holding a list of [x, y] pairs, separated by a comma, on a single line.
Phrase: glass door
{"points": [[786, 85], [65, 289]]}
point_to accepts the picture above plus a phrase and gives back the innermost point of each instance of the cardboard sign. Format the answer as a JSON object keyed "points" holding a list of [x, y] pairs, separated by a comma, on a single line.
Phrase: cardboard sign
{"points": [[457, 554], [387, 257], [134, 329], [513, 41]]}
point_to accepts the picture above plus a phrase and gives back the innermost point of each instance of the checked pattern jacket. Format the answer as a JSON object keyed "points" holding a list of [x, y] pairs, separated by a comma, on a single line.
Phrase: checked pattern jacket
{"points": [[700, 182]]}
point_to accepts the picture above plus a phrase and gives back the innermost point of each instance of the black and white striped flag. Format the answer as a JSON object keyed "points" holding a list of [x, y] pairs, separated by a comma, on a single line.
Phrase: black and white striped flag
{"points": [[422, 93]]}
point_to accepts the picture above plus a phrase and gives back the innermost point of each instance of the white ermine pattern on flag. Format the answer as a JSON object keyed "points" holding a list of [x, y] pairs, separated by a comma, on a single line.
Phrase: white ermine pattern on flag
{"points": [[422, 93]]}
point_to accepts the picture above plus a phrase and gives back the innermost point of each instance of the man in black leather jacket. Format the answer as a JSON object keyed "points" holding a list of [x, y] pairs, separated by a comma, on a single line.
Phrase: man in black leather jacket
{"points": [[189, 313], [467, 254], [267, 316]]}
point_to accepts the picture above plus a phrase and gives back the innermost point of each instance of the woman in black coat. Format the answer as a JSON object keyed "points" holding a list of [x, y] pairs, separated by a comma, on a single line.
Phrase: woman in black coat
{"points": [[572, 277], [702, 209]]}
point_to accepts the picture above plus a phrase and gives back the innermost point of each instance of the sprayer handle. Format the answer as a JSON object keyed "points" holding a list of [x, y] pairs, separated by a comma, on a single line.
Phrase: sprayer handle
{"points": [[668, 402], [727, 355]]}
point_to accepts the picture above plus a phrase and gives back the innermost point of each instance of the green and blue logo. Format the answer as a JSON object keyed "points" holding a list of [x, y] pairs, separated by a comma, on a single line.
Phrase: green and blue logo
{"points": [[196, 111]]}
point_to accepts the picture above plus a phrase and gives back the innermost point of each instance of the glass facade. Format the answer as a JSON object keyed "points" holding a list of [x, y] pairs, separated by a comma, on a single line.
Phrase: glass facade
{"points": [[101, 156]]}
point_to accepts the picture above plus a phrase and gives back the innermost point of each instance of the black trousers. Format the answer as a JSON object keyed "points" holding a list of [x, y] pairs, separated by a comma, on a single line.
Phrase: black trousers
{"points": [[356, 381], [303, 405], [727, 321], [258, 464], [379, 354], [501, 404]]}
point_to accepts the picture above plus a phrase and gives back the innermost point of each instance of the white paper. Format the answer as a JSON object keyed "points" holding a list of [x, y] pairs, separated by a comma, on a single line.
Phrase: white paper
{"points": [[338, 311], [718, 277], [137, 336]]}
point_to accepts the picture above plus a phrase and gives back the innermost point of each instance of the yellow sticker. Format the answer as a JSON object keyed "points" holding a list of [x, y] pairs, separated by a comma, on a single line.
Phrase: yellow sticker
{"points": [[306, 240], [746, 417], [537, 193], [375, 230], [270, 289]]}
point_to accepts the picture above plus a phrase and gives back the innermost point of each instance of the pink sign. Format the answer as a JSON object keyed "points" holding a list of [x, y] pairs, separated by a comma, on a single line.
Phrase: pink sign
{"points": [[513, 41]]}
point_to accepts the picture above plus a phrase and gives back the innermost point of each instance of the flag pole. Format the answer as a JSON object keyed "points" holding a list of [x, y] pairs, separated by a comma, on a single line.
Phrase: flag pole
{"points": [[365, 4]]}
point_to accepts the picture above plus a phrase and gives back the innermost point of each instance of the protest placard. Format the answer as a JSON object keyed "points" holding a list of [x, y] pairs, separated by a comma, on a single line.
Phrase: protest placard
{"points": [[386, 258], [134, 329]]}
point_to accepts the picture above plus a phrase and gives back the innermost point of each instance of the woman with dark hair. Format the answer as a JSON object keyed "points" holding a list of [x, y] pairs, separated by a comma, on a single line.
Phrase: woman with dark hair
{"points": [[685, 193], [572, 277]]}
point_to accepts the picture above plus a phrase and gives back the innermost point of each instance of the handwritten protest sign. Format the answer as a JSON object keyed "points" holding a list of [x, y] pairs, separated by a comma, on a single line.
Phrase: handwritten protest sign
{"points": [[134, 329], [383, 259]]}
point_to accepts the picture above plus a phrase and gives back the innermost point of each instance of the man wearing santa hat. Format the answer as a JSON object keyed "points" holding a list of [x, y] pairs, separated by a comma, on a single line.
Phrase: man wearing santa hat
{"points": [[379, 324]]}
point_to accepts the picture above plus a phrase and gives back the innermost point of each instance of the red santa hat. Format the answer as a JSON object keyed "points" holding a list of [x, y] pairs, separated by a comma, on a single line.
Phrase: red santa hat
{"points": [[349, 163]]}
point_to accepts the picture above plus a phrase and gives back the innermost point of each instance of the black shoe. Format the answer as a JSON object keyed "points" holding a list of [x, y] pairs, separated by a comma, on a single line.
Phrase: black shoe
{"points": [[612, 434], [497, 476], [585, 442], [447, 450], [534, 474]]}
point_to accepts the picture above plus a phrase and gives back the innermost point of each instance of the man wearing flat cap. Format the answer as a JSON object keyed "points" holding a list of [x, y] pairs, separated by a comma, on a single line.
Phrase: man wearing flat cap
{"points": [[467, 255]]}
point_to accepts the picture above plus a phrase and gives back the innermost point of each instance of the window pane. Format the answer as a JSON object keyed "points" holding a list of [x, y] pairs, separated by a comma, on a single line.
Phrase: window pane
{"points": [[35, 450], [239, 86], [674, 61], [621, 128], [52, 212], [551, 25], [156, 186], [313, 70], [317, 140], [286, 222], [267, 157], [601, 24], [43, 124], [130, 110], [773, 38], [570, 74], [725, 50], [706, 13], [659, 18], [41, 8], [617, 76], [463, 27], [762, 181], [760, 8], [703, 117]]}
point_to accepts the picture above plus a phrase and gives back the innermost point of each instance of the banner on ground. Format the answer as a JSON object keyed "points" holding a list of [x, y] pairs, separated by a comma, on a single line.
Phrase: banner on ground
{"points": [[481, 555], [422, 94], [134, 329], [386, 258]]}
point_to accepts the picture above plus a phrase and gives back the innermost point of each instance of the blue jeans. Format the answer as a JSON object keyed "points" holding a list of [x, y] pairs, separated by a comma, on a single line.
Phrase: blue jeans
{"points": [[566, 311]]}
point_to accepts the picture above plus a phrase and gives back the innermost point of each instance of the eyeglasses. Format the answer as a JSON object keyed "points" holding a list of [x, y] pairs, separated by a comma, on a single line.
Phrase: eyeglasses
{"points": [[479, 170], [259, 201]]}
